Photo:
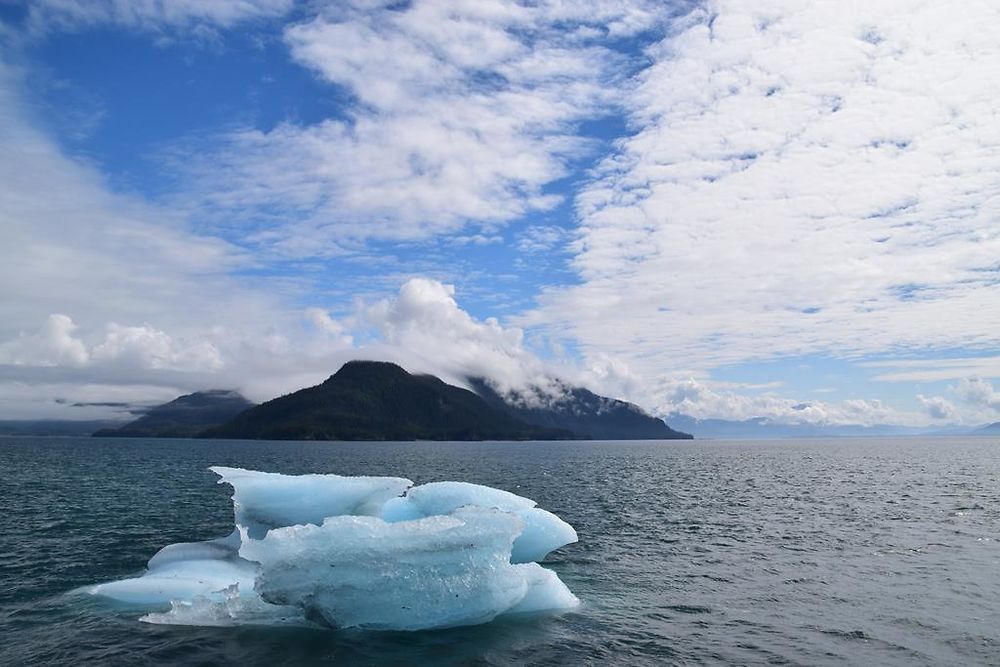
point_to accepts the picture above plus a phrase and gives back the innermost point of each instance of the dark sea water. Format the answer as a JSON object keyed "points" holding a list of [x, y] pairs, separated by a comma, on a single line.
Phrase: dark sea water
{"points": [[795, 552]]}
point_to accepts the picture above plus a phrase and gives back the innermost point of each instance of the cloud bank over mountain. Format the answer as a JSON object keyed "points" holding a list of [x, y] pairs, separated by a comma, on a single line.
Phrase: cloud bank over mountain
{"points": [[424, 329]]}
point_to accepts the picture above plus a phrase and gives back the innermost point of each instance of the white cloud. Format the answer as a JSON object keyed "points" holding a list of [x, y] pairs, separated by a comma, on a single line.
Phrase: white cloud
{"points": [[139, 347], [52, 345], [426, 323], [704, 399], [322, 321], [978, 393], [71, 245], [61, 358], [76, 256], [939, 408], [979, 403], [147, 347], [798, 178], [465, 112], [931, 370], [803, 178], [541, 239], [422, 328]]}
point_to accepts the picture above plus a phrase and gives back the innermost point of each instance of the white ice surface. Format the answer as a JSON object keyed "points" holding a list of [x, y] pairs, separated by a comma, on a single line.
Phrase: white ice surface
{"points": [[181, 580], [435, 572], [354, 552], [543, 531], [546, 591], [265, 500]]}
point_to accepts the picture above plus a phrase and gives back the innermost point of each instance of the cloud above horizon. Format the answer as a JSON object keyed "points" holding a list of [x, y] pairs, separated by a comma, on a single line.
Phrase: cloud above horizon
{"points": [[685, 191], [425, 330], [802, 179], [463, 113]]}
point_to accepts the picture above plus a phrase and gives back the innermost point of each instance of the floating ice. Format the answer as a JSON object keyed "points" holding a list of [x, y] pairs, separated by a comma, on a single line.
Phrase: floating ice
{"points": [[355, 552], [542, 531], [265, 500], [186, 571]]}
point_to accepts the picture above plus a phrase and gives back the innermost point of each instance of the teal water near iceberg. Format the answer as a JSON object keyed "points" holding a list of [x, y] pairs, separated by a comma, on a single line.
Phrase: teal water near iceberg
{"points": [[853, 551]]}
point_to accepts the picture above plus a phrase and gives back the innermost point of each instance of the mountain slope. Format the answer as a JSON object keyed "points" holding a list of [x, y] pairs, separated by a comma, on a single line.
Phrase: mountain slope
{"points": [[989, 429], [584, 413], [183, 417], [373, 400]]}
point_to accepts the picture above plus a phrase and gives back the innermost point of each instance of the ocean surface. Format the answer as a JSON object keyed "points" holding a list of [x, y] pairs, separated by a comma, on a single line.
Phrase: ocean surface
{"points": [[848, 551]]}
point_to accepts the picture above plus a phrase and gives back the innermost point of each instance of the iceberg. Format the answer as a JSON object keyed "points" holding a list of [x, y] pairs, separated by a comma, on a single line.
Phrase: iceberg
{"points": [[266, 500], [542, 532], [358, 552], [183, 572]]}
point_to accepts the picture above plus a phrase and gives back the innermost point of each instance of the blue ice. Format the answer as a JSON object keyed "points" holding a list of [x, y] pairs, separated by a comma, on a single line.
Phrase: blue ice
{"points": [[365, 552]]}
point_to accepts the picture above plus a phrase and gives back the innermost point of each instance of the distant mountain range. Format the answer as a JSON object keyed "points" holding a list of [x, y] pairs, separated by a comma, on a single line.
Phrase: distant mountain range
{"points": [[63, 427], [371, 400], [183, 417], [368, 400], [989, 429], [766, 429]]}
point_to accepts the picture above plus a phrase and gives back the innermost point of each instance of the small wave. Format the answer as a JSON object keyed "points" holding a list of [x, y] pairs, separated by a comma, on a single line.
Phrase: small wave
{"points": [[689, 609]]}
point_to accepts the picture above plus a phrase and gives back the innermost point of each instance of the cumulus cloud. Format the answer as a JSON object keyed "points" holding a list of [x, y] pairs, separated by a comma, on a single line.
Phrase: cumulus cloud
{"points": [[52, 345], [978, 402], [147, 347], [132, 346], [464, 112], [939, 408], [802, 178], [425, 321], [704, 399], [978, 393], [321, 320]]}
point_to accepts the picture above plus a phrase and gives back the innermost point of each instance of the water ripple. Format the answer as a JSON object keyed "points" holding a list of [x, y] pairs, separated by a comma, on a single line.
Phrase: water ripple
{"points": [[818, 552]]}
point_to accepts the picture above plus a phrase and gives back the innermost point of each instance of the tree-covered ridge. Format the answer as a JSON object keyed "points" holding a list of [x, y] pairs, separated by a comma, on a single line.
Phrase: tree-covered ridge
{"points": [[371, 400], [580, 410]]}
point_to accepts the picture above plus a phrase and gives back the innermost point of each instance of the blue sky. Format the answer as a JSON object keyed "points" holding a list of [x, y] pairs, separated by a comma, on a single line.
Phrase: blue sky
{"points": [[727, 209]]}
